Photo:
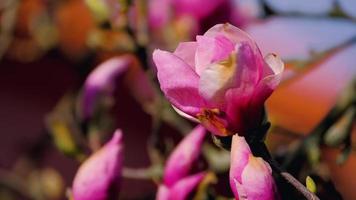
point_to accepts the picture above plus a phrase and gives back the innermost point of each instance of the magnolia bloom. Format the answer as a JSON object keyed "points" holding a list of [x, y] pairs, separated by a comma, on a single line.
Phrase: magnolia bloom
{"points": [[98, 178], [250, 177], [220, 80], [101, 82], [177, 183], [180, 8]]}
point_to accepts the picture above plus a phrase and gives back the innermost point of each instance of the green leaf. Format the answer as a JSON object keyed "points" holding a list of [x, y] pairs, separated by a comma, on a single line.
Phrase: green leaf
{"points": [[310, 184]]}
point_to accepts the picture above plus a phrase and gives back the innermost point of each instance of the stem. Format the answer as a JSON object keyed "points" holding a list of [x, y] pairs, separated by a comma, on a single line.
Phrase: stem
{"points": [[300, 187], [142, 173]]}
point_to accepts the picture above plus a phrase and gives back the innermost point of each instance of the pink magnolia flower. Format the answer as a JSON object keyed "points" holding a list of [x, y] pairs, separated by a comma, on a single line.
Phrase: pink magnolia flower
{"points": [[201, 13], [101, 82], [160, 12], [98, 178], [250, 177], [177, 184], [221, 79]]}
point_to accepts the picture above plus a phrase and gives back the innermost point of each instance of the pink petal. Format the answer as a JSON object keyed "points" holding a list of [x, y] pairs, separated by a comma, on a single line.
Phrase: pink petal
{"points": [[238, 110], [231, 32], [241, 111], [273, 75], [179, 82], [249, 67], [186, 51], [163, 193], [257, 180], [101, 80], [182, 189], [100, 172], [216, 79], [158, 13], [184, 155], [211, 50], [240, 152]]}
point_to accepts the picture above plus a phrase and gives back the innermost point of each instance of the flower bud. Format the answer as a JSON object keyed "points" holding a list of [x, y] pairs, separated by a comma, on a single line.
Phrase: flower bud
{"points": [[182, 158], [98, 178], [177, 184], [102, 82], [250, 177], [181, 189]]}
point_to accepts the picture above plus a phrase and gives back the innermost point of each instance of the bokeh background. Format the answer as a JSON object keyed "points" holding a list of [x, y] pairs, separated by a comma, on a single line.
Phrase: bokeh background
{"points": [[48, 47]]}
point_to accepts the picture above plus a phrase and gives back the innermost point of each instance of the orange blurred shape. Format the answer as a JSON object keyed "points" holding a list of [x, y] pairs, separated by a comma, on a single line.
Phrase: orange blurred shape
{"points": [[27, 12], [301, 104], [74, 22], [343, 176]]}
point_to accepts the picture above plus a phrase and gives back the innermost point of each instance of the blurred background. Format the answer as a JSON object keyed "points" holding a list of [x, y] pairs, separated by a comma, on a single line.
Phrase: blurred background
{"points": [[48, 48]]}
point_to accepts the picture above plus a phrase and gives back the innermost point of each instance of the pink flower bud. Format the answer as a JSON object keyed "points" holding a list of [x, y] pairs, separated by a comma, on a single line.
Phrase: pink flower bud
{"points": [[221, 79], [98, 178], [250, 177], [183, 156], [176, 183], [181, 189], [102, 82]]}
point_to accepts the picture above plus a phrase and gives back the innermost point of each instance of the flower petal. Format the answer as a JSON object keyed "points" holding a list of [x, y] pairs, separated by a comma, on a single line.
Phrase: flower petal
{"points": [[239, 112], [254, 84], [216, 78], [257, 180], [186, 51], [163, 193], [240, 152], [100, 172], [158, 19], [272, 77], [101, 80], [184, 155], [178, 82], [231, 32], [185, 186], [211, 50]]}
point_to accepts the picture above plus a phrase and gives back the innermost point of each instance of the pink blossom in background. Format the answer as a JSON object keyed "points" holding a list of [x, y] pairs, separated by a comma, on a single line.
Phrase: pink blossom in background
{"points": [[202, 14], [101, 81], [250, 177], [177, 183], [98, 178], [221, 79]]}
